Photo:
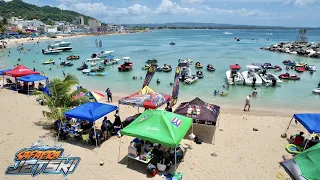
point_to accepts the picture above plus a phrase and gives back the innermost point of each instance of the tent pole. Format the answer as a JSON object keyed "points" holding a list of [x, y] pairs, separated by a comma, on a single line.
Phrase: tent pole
{"points": [[59, 130], [96, 136], [305, 146], [288, 126], [28, 89], [191, 133], [2, 81], [214, 135], [175, 159], [218, 121], [138, 109], [119, 149]]}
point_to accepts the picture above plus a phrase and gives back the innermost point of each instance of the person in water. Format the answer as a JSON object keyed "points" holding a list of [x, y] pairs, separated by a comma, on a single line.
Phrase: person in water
{"points": [[158, 81], [255, 92]]}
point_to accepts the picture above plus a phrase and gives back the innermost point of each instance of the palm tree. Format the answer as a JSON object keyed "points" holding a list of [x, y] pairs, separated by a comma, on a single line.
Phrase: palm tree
{"points": [[61, 97]]}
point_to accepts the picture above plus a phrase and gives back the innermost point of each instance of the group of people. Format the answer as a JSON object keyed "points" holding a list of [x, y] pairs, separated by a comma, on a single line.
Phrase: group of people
{"points": [[301, 141]]}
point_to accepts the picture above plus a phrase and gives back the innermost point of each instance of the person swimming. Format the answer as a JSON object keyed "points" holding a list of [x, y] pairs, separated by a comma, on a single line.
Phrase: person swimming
{"points": [[158, 81]]}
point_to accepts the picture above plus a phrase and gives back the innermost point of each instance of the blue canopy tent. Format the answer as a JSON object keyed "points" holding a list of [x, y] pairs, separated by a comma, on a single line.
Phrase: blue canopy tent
{"points": [[32, 78], [311, 121], [91, 111], [1, 73]]}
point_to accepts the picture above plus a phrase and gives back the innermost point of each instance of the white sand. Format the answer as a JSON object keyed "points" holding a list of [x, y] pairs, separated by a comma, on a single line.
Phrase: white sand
{"points": [[242, 153]]}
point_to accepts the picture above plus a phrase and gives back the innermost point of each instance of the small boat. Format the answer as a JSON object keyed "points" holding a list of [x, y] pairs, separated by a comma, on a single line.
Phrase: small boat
{"points": [[51, 51], [99, 69], [59, 44], [152, 61], [64, 48], [85, 71], [184, 73], [199, 74], [210, 67], [183, 61], [223, 94], [50, 61], [104, 54], [316, 90], [251, 77], [159, 69], [300, 69], [66, 63], [269, 66], [93, 58], [93, 63], [191, 79], [127, 65], [109, 62], [172, 43], [96, 73], [270, 79], [301, 64], [73, 57], [233, 75], [289, 77], [83, 66], [166, 68], [198, 65], [146, 67], [285, 62], [311, 68]]}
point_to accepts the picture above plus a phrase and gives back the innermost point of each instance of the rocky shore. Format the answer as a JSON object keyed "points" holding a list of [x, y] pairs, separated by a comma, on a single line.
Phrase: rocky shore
{"points": [[303, 49]]}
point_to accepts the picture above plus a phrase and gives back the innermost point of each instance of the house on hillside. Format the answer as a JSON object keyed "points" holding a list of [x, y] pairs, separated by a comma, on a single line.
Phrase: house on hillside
{"points": [[93, 24]]}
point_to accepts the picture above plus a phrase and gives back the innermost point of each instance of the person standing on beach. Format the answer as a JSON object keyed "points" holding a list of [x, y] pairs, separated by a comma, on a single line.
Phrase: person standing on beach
{"points": [[109, 94], [247, 103]]}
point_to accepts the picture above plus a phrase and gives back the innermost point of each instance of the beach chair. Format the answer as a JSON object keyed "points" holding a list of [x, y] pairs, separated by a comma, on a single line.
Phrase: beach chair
{"points": [[85, 138], [132, 151], [71, 137]]}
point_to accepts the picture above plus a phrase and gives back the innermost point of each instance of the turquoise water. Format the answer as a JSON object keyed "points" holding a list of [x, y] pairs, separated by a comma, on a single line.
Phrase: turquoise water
{"points": [[206, 46]]}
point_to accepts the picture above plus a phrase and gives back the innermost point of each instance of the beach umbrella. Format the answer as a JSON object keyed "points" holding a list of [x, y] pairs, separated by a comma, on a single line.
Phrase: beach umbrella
{"points": [[96, 95], [304, 165]]}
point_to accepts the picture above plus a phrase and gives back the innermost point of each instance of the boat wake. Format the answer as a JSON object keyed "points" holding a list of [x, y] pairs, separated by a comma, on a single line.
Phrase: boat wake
{"points": [[227, 33]]}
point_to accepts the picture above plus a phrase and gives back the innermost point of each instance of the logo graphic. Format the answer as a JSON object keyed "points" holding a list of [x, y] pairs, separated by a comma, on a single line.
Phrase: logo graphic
{"points": [[144, 118], [175, 121], [194, 111], [42, 160]]}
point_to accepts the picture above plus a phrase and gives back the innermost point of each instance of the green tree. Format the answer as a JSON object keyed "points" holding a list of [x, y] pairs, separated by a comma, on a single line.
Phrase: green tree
{"points": [[61, 98], [2, 28], [5, 21]]}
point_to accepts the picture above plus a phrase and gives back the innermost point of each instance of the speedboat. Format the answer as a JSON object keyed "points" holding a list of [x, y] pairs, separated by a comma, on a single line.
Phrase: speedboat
{"points": [[188, 61], [51, 51], [93, 63], [269, 66], [251, 77], [233, 75], [84, 66], [285, 62], [210, 67], [93, 58], [50, 61], [300, 69], [316, 90], [146, 67], [99, 69], [184, 73], [96, 73], [152, 61], [73, 57], [166, 68], [127, 65], [172, 43], [191, 79], [64, 48], [311, 68], [104, 54], [66, 63], [59, 44], [270, 79], [199, 74], [198, 65], [287, 76]]}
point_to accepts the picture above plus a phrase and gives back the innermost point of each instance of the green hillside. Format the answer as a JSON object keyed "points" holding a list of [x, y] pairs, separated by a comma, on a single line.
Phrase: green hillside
{"points": [[28, 11]]}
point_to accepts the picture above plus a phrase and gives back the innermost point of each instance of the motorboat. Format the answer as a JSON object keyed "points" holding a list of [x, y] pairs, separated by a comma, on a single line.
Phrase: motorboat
{"points": [[104, 54], [73, 57], [159, 68], [198, 65], [64, 48], [93, 63], [188, 61], [50, 61], [146, 67], [210, 67], [172, 43], [51, 51], [300, 69], [199, 74], [270, 79], [83, 66], [191, 80], [185, 73], [96, 73], [59, 44], [251, 78], [269, 66], [233, 75], [66, 63], [98, 69], [316, 90], [287, 76], [258, 64], [152, 61], [311, 68], [127, 65], [166, 68], [301, 64], [93, 58], [285, 62]]}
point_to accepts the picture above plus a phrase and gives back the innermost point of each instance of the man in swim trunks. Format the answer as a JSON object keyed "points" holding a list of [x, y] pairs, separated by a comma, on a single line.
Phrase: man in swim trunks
{"points": [[247, 103]]}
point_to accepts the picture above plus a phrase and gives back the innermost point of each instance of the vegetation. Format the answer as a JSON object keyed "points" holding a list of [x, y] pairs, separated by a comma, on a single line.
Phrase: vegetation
{"points": [[18, 8], [61, 97]]}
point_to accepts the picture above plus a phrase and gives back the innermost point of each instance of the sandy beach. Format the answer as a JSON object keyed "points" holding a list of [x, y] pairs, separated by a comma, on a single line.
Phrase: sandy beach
{"points": [[242, 153]]}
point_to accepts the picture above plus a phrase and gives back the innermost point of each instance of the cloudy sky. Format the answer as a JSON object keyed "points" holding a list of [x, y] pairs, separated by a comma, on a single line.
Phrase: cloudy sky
{"points": [[251, 12]]}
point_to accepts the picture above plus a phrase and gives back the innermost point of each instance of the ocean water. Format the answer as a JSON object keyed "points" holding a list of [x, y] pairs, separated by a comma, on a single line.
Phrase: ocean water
{"points": [[206, 46]]}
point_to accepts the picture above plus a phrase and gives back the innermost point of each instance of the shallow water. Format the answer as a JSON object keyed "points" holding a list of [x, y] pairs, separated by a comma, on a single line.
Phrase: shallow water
{"points": [[207, 46]]}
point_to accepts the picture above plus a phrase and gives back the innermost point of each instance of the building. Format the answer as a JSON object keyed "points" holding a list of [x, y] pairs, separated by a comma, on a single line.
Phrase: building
{"points": [[32, 25], [51, 29], [93, 23], [116, 28], [104, 29], [79, 21]]}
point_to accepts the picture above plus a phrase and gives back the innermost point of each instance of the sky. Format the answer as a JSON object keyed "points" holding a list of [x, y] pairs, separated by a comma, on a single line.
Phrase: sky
{"points": [[248, 12]]}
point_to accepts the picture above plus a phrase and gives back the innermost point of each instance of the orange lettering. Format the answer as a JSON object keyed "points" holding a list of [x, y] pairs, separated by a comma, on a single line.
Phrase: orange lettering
{"points": [[20, 155], [38, 155], [31, 154], [56, 154], [44, 155]]}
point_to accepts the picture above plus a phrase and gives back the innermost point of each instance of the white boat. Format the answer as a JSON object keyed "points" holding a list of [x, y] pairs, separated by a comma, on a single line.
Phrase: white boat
{"points": [[86, 70], [51, 51], [234, 77], [93, 63], [227, 33], [59, 44], [126, 58], [104, 54], [316, 90], [69, 48], [267, 78], [191, 79], [185, 73], [93, 59], [189, 61], [250, 75], [312, 68]]}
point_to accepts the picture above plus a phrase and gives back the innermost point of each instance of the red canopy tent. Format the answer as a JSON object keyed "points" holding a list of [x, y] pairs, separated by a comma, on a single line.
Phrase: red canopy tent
{"points": [[20, 71]]}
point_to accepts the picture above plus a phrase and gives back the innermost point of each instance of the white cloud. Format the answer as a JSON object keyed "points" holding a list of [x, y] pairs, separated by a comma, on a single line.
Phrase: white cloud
{"points": [[301, 3], [241, 12], [169, 7], [67, 1], [63, 7], [137, 9], [192, 1]]}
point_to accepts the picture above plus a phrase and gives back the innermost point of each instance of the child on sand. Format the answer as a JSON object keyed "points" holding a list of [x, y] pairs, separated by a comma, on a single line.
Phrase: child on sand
{"points": [[247, 103]]}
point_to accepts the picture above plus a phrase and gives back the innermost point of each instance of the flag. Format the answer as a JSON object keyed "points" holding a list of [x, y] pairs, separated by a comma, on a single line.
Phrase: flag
{"points": [[175, 121], [100, 43], [149, 75], [176, 85], [97, 43]]}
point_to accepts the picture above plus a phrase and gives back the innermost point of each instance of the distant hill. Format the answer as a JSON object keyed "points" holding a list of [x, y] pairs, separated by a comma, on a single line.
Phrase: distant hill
{"points": [[192, 25], [28, 11]]}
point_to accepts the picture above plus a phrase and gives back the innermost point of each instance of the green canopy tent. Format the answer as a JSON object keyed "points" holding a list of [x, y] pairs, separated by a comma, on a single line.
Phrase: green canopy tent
{"points": [[304, 165], [158, 126]]}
